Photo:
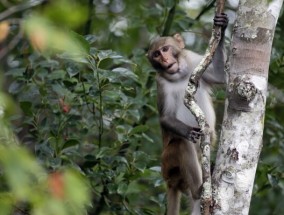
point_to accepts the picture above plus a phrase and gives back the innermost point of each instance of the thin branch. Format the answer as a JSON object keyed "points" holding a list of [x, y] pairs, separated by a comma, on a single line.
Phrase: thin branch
{"points": [[170, 20], [5, 3], [19, 8], [13, 43], [190, 103], [205, 9], [88, 24]]}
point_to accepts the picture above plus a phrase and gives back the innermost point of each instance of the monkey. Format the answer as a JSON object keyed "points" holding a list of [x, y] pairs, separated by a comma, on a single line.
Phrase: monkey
{"points": [[181, 168]]}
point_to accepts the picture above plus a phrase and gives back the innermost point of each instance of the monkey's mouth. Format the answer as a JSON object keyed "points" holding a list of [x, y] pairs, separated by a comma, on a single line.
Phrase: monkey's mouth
{"points": [[171, 68], [171, 65]]}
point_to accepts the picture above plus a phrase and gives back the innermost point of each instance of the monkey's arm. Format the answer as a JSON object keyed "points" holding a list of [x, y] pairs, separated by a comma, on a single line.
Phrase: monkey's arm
{"points": [[177, 127], [215, 73]]}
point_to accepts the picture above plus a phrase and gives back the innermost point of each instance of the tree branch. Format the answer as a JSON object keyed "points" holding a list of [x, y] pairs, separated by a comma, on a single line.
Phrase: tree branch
{"points": [[88, 24], [190, 103], [205, 9], [169, 20], [13, 43], [19, 8]]}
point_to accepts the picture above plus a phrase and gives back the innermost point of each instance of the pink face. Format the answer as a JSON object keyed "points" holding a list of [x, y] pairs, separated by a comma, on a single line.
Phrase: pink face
{"points": [[165, 57]]}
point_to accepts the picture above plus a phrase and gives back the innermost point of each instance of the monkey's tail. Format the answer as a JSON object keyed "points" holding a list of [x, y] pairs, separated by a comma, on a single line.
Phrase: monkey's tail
{"points": [[173, 201]]}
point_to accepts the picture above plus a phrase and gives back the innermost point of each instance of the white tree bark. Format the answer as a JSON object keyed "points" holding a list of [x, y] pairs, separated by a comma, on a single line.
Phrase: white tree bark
{"points": [[242, 128]]}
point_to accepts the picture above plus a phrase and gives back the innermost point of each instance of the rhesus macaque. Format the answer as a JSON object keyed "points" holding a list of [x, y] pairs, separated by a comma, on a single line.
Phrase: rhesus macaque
{"points": [[181, 167]]}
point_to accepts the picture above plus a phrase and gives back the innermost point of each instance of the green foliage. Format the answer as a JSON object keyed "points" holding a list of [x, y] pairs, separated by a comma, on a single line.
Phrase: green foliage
{"points": [[86, 113], [86, 109], [26, 186]]}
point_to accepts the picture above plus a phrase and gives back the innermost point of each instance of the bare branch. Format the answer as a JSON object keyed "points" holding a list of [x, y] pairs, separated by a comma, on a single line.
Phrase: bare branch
{"points": [[169, 21], [5, 3], [190, 103], [20, 7], [13, 42]]}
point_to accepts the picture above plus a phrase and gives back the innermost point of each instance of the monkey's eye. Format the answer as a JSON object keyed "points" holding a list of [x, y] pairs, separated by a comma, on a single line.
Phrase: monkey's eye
{"points": [[156, 54], [165, 48]]}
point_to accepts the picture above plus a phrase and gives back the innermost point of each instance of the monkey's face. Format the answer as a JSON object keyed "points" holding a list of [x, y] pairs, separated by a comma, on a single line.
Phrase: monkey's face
{"points": [[165, 59], [165, 55]]}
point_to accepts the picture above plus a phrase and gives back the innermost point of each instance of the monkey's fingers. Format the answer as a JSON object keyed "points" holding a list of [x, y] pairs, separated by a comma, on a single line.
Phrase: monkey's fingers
{"points": [[221, 20], [195, 135], [221, 15]]}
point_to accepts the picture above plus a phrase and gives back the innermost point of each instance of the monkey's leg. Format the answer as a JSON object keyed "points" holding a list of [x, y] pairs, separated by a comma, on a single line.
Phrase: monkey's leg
{"points": [[173, 201], [193, 202], [195, 179], [195, 207]]}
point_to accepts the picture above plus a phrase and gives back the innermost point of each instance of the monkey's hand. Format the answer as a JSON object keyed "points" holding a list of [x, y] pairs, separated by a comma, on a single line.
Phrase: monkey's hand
{"points": [[221, 20], [194, 134]]}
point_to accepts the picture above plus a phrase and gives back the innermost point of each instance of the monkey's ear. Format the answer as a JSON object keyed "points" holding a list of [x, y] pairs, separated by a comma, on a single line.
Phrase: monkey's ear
{"points": [[180, 40]]}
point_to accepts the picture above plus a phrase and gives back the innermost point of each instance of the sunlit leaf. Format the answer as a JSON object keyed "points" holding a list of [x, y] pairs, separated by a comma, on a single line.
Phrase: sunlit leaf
{"points": [[45, 37], [20, 165], [4, 30], [6, 203], [66, 12], [105, 54], [124, 72], [77, 190]]}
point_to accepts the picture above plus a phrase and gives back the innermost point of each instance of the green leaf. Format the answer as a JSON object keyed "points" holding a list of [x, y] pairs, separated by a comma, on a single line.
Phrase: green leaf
{"points": [[273, 180], [26, 107], [104, 151], [61, 91], [112, 188], [68, 13], [138, 129], [90, 38], [105, 54], [15, 87], [124, 72], [80, 88], [7, 106], [170, 3], [70, 143], [81, 41], [57, 74], [45, 36], [18, 164], [16, 72], [156, 168], [122, 188], [111, 95], [77, 189], [6, 203]]}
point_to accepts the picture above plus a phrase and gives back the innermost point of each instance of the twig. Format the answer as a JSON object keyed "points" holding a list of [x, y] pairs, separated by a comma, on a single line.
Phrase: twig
{"points": [[205, 9], [12, 44], [88, 24], [19, 8], [190, 103], [5, 3], [169, 20]]}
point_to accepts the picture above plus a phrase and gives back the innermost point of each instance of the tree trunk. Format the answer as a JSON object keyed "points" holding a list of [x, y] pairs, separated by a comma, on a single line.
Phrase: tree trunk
{"points": [[242, 128]]}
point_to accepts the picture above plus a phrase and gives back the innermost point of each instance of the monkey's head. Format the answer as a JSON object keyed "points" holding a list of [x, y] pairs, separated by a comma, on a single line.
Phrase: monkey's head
{"points": [[164, 55]]}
